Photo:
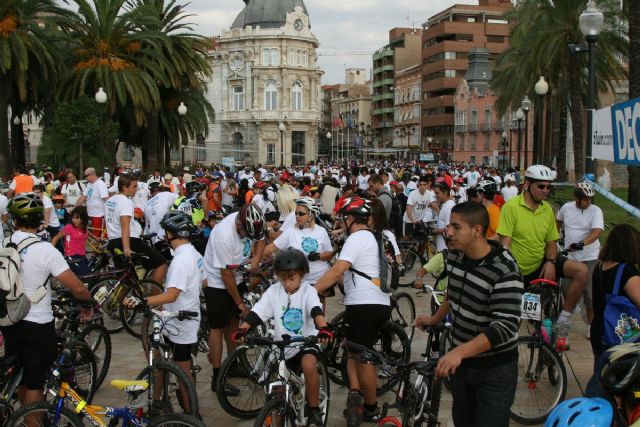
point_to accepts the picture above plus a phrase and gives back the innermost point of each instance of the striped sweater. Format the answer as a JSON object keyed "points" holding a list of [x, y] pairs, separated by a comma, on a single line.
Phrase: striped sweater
{"points": [[485, 298]]}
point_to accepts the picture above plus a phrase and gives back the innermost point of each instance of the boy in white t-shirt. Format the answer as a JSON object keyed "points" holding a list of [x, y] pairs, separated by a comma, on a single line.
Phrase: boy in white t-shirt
{"points": [[296, 310]]}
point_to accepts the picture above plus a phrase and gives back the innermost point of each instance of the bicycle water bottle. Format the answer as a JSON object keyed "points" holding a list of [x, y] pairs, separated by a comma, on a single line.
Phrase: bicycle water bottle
{"points": [[547, 330]]}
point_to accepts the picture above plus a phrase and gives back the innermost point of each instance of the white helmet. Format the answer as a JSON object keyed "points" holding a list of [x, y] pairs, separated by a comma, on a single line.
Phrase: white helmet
{"points": [[310, 204], [487, 185], [584, 189], [538, 173]]}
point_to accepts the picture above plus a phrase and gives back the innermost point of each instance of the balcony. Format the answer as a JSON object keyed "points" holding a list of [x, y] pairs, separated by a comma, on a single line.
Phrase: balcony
{"points": [[461, 128], [382, 53], [486, 127], [270, 115], [438, 101], [382, 111], [498, 126], [473, 127], [438, 120], [384, 68], [384, 82], [382, 97]]}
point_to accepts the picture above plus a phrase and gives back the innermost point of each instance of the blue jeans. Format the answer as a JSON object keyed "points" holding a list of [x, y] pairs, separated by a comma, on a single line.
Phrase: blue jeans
{"points": [[482, 396]]}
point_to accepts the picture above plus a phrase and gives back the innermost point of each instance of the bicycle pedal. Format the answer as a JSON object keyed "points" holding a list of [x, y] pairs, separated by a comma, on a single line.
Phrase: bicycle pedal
{"points": [[196, 369]]}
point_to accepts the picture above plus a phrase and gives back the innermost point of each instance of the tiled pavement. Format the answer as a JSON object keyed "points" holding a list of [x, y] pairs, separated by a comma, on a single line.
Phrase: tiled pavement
{"points": [[128, 360]]}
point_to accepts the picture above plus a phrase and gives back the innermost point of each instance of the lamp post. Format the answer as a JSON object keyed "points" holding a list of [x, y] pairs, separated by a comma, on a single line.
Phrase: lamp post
{"points": [[182, 111], [541, 88], [591, 23], [14, 141], [519, 117], [329, 139], [526, 106], [504, 150], [281, 128], [101, 99]]}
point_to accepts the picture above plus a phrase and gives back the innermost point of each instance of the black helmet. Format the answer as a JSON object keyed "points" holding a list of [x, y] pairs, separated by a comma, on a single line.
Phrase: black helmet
{"points": [[179, 223], [291, 259], [193, 187], [155, 186]]}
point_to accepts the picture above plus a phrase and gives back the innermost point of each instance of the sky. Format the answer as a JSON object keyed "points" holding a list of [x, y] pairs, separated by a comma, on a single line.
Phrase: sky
{"points": [[341, 26]]}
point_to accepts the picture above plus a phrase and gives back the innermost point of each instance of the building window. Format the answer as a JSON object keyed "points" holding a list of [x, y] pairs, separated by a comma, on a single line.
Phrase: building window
{"points": [[238, 98], [472, 160], [461, 142], [270, 95], [485, 160], [270, 56], [296, 96], [175, 154], [271, 150], [487, 142], [495, 39], [305, 58], [128, 154], [298, 57], [201, 153]]}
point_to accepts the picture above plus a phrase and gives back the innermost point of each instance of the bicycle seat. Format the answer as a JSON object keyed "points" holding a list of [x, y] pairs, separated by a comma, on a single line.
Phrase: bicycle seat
{"points": [[128, 386], [544, 282], [148, 236]]}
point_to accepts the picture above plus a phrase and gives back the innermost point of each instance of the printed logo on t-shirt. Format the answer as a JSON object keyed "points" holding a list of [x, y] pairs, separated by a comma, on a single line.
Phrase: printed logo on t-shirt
{"points": [[292, 320], [309, 244], [246, 251], [90, 192]]}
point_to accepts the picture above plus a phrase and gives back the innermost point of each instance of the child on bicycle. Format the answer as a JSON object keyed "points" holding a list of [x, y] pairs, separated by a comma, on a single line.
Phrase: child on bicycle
{"points": [[294, 306], [75, 240]]}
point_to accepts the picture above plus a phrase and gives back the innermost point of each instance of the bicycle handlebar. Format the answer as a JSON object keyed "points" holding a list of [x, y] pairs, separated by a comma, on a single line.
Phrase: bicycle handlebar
{"points": [[286, 340], [542, 281]]}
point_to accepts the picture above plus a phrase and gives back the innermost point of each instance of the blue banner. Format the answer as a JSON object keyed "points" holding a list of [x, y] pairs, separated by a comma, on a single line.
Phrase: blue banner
{"points": [[625, 118], [632, 210]]}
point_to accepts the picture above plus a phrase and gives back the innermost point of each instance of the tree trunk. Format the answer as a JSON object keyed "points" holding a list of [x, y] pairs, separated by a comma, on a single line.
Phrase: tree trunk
{"points": [[150, 143], [634, 89], [167, 151], [562, 138], [17, 135], [5, 155]]}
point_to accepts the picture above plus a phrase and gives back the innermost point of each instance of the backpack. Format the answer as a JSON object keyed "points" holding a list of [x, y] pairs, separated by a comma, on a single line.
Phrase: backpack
{"points": [[395, 219], [384, 282], [621, 316], [14, 304]]}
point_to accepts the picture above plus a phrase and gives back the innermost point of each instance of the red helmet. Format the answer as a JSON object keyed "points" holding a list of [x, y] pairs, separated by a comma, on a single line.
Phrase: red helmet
{"points": [[261, 185], [356, 206], [252, 220]]}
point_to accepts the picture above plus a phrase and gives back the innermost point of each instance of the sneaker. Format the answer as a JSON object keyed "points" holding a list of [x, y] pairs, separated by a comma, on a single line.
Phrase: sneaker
{"points": [[371, 416], [561, 335], [353, 413], [229, 390], [315, 418]]}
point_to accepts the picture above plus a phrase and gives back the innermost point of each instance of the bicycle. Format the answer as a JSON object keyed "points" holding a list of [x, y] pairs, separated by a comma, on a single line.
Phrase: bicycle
{"points": [[403, 312], [412, 250], [536, 393], [57, 414], [285, 405]]}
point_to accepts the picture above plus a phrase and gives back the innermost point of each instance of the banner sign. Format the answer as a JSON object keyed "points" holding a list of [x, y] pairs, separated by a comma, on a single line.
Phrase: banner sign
{"points": [[625, 118], [632, 210], [427, 157], [229, 161], [602, 135]]}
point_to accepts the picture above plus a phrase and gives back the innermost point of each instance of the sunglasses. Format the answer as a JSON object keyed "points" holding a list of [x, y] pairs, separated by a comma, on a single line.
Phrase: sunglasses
{"points": [[88, 175], [543, 187], [301, 213]]}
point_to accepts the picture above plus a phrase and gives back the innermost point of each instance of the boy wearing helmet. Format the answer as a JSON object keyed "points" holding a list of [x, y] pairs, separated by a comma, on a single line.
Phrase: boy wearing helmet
{"points": [[158, 205], [229, 243], [295, 309], [583, 223], [528, 229]]}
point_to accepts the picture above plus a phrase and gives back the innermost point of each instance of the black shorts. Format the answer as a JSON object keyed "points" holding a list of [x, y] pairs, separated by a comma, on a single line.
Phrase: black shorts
{"points": [[220, 308], [37, 347], [536, 274], [295, 363], [181, 352], [365, 321], [153, 258]]}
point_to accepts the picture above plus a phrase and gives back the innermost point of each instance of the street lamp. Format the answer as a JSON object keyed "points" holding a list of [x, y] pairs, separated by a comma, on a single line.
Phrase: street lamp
{"points": [[329, 135], [182, 111], [526, 106], [101, 98], [519, 117], [504, 150], [281, 128], [591, 23], [541, 88]]}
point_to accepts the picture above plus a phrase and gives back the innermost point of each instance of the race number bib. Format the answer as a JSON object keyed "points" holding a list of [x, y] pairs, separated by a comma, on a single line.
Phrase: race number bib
{"points": [[531, 307]]}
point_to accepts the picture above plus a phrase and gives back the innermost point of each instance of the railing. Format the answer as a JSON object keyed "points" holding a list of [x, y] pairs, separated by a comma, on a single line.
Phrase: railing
{"points": [[461, 128], [473, 127]]}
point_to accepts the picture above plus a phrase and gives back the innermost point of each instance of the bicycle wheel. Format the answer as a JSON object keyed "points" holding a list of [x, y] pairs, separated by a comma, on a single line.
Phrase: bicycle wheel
{"points": [[132, 318], [175, 420], [395, 345], [99, 341], [84, 375], [403, 312], [325, 389], [109, 306], [43, 414], [335, 354], [536, 393], [168, 384], [409, 256], [275, 414], [247, 369]]}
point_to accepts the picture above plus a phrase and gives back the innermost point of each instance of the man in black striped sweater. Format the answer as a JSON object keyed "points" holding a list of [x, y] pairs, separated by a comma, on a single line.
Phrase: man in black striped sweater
{"points": [[483, 297]]}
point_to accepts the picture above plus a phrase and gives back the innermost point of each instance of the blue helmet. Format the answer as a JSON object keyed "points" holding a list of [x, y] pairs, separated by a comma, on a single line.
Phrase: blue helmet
{"points": [[582, 411]]}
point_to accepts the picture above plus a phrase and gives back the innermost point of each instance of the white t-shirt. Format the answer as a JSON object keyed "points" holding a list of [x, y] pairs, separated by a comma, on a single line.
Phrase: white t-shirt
{"points": [[307, 240], [117, 206], [141, 197], [4, 202], [291, 314], [363, 182], [107, 178], [114, 187], [462, 193], [420, 203], [289, 221], [443, 220], [472, 178], [225, 246], [264, 205], [392, 238], [72, 192], [38, 262], [155, 210], [53, 216], [509, 192], [96, 193], [186, 272], [227, 199], [361, 251], [578, 224]]}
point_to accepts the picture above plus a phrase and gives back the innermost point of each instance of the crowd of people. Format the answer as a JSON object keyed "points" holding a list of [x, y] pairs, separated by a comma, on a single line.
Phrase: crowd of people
{"points": [[495, 232]]}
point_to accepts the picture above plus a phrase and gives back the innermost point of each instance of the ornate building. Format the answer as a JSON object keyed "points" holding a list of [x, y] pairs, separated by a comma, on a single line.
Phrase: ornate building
{"points": [[265, 87]]}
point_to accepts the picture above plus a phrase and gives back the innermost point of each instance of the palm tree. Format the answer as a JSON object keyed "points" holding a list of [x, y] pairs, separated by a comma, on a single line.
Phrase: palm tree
{"points": [[539, 47], [633, 8], [26, 59]]}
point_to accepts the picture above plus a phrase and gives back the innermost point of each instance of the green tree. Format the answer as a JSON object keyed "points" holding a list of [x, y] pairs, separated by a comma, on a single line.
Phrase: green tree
{"points": [[26, 60], [540, 37], [633, 12]]}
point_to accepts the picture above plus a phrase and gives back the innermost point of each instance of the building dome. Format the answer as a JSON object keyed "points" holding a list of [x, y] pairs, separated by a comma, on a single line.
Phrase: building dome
{"points": [[266, 13]]}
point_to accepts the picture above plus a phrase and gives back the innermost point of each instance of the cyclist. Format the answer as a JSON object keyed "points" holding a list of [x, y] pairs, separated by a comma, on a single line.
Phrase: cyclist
{"points": [[192, 204], [486, 190], [229, 243], [367, 306], [483, 297], [34, 337], [184, 280], [158, 205], [296, 310], [443, 206], [417, 204], [528, 228]]}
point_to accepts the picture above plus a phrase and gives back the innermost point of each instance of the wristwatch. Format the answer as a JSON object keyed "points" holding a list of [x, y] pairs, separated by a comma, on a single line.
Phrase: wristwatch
{"points": [[551, 260]]}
